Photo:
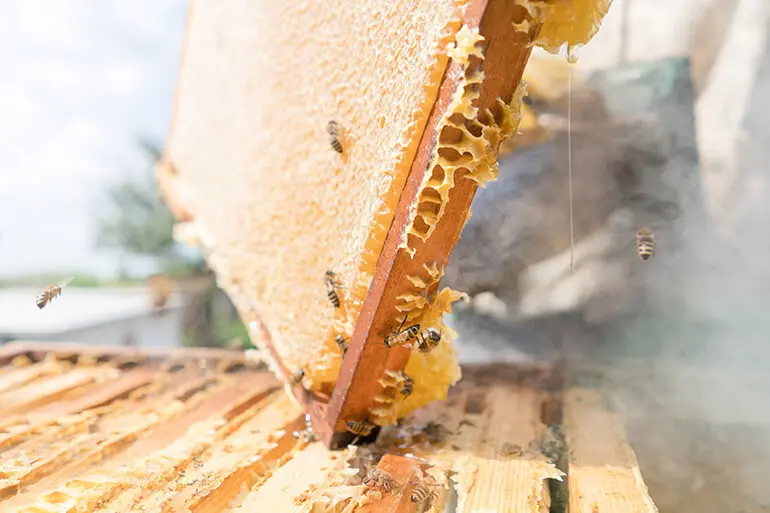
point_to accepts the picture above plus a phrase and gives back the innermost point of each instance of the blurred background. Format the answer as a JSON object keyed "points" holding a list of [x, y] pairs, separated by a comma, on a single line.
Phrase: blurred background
{"points": [[85, 103], [668, 110]]}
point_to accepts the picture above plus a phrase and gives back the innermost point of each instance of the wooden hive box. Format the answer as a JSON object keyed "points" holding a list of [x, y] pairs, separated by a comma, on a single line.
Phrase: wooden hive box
{"points": [[98, 429]]}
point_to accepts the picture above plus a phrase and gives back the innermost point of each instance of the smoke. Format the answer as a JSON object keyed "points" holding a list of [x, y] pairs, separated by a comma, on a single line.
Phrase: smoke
{"points": [[688, 353], [692, 367]]}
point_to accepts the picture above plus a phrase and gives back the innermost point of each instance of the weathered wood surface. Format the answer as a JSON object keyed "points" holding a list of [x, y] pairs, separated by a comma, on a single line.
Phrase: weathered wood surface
{"points": [[208, 440]]}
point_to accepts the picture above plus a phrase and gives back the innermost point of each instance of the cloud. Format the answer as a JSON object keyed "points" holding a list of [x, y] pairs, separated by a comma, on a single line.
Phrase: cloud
{"points": [[82, 81]]}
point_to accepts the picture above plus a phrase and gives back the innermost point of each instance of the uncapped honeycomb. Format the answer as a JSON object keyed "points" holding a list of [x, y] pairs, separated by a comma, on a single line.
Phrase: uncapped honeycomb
{"points": [[468, 141], [570, 22]]}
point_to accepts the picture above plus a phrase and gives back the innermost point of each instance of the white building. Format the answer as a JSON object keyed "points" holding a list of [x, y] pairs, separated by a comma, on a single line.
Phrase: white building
{"points": [[105, 316]]}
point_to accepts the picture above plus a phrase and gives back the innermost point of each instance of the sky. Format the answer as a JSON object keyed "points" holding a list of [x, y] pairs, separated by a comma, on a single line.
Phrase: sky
{"points": [[80, 81]]}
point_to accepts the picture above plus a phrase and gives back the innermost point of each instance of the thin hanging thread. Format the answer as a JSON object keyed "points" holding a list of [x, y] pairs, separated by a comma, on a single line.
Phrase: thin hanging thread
{"points": [[569, 168]]}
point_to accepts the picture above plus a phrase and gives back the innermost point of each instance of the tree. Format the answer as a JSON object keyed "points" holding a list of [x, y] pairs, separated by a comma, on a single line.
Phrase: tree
{"points": [[142, 225]]}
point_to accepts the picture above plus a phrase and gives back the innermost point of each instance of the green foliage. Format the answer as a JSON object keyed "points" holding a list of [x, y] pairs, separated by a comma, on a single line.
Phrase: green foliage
{"points": [[142, 224], [227, 330]]}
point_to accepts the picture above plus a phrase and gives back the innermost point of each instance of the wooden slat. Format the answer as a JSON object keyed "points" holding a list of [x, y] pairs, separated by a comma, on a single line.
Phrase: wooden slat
{"points": [[15, 378], [214, 442], [40, 349], [403, 471], [484, 420], [100, 395], [307, 468], [604, 476], [49, 390], [368, 358]]}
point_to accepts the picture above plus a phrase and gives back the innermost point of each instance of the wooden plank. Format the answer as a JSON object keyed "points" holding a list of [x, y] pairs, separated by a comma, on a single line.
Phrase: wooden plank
{"points": [[604, 475], [307, 468], [506, 54], [493, 443], [15, 378], [99, 395], [403, 471], [40, 349], [164, 436], [49, 390]]}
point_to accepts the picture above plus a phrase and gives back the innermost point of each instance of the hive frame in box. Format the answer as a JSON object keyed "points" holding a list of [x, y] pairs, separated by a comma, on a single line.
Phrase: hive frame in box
{"points": [[506, 51]]}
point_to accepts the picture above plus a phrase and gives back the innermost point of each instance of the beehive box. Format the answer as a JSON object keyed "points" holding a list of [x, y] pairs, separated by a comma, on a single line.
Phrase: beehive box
{"points": [[90, 429]]}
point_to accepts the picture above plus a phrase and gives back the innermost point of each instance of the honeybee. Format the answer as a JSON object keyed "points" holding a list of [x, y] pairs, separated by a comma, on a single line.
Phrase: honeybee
{"points": [[160, 288], [434, 432], [407, 385], [297, 377], [423, 495], [359, 428], [333, 129], [330, 278], [377, 478], [342, 343], [400, 337], [50, 293], [429, 339], [645, 243]]}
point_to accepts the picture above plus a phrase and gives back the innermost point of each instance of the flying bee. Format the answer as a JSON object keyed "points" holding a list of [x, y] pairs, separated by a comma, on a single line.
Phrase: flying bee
{"points": [[330, 278], [160, 287], [50, 293], [297, 377], [645, 243], [400, 337], [423, 495], [333, 129], [377, 478], [342, 343]]}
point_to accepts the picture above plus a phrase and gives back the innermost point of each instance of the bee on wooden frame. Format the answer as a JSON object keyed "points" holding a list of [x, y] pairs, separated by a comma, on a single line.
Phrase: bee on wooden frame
{"points": [[429, 339], [332, 284], [333, 129], [423, 495], [359, 428], [50, 293], [377, 478], [401, 336]]}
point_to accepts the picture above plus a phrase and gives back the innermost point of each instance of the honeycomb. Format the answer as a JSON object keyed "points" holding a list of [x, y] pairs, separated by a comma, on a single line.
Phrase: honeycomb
{"points": [[253, 166]]}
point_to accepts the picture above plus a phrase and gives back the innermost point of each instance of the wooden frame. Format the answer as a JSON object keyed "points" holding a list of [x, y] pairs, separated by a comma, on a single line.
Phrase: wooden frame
{"points": [[506, 51], [505, 55]]}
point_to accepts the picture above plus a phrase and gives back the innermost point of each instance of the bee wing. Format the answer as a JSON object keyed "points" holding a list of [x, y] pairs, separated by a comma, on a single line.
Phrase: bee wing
{"points": [[66, 282]]}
